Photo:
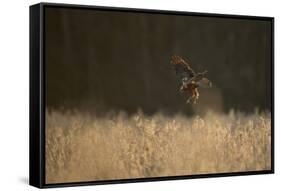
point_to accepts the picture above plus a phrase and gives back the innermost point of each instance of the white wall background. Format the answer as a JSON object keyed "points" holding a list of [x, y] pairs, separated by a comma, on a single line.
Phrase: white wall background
{"points": [[14, 90]]}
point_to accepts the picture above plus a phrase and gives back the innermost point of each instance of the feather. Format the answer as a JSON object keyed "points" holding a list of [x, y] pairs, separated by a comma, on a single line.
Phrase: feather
{"points": [[205, 83], [181, 67]]}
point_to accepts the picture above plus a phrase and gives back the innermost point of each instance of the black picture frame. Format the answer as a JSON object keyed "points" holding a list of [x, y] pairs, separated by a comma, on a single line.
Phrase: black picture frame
{"points": [[37, 95]]}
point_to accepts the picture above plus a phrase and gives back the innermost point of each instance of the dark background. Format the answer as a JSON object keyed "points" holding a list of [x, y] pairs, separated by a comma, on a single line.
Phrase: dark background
{"points": [[108, 60]]}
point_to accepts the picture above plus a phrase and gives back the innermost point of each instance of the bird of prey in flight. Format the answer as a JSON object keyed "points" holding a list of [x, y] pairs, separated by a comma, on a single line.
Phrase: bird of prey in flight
{"points": [[190, 80]]}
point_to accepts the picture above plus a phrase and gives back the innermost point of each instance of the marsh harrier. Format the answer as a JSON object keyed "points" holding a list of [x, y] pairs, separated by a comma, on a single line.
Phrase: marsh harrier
{"points": [[190, 80]]}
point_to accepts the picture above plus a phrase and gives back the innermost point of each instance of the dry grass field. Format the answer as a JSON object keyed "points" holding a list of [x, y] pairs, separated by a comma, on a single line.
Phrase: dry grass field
{"points": [[82, 147]]}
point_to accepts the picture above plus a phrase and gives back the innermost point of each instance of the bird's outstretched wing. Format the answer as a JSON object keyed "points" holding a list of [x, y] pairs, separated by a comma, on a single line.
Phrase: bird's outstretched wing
{"points": [[181, 67], [205, 83], [199, 76]]}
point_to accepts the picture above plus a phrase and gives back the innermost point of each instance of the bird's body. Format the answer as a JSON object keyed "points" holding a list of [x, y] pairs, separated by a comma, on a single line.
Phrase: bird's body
{"points": [[191, 81], [191, 90]]}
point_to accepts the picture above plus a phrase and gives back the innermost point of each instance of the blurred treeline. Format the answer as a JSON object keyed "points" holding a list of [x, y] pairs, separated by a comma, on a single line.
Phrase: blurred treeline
{"points": [[107, 60]]}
